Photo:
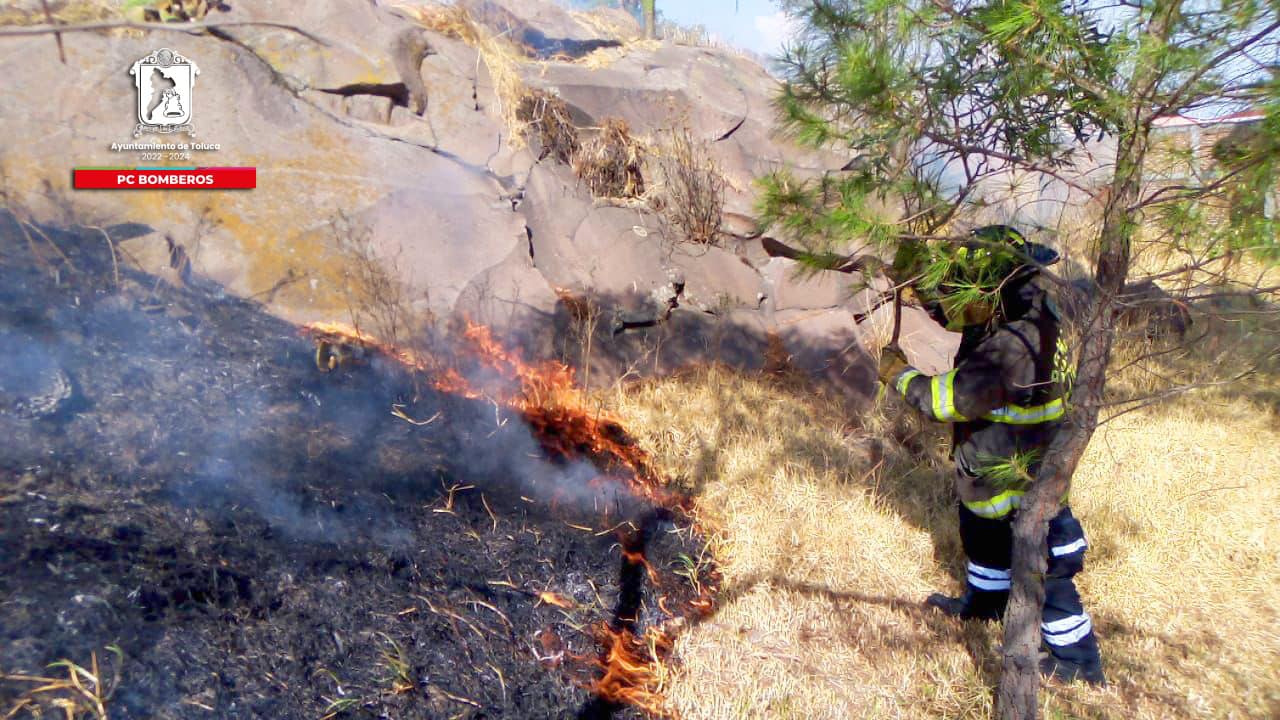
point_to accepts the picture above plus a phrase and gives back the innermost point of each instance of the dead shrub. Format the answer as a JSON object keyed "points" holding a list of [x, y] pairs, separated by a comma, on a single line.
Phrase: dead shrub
{"points": [[546, 119], [584, 316], [610, 163], [378, 303], [692, 195]]}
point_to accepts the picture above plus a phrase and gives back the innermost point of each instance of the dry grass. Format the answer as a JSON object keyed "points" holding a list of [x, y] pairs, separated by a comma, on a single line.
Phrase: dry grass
{"points": [[546, 117], [76, 11], [691, 198], [602, 58], [501, 57], [825, 545], [1182, 505], [611, 162], [85, 692], [828, 547], [608, 25]]}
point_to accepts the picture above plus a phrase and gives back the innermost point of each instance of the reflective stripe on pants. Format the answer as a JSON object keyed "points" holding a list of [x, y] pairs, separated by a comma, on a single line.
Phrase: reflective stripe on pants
{"points": [[1066, 628]]}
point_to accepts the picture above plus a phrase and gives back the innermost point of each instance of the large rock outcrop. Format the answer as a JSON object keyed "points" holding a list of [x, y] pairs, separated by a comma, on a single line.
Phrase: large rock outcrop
{"points": [[466, 218]]}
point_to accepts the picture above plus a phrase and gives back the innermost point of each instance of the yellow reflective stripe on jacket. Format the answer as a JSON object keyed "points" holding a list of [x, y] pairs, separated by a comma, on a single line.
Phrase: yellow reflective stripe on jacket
{"points": [[998, 506], [1019, 415], [904, 380], [943, 389]]}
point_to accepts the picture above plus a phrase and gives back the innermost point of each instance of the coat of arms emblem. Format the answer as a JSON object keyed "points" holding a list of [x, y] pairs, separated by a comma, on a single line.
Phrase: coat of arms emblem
{"points": [[165, 81]]}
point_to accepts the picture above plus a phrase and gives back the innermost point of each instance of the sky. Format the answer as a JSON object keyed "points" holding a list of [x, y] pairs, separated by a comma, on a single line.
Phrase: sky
{"points": [[757, 25]]}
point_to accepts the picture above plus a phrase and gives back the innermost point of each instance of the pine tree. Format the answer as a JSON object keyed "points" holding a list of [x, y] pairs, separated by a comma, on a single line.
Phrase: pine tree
{"points": [[938, 102]]}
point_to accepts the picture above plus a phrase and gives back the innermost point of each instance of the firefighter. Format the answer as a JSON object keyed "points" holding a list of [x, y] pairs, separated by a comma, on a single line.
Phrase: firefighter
{"points": [[1005, 399]]}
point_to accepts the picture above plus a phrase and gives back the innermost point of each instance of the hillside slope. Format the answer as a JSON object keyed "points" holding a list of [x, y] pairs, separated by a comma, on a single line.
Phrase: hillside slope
{"points": [[211, 526], [463, 205]]}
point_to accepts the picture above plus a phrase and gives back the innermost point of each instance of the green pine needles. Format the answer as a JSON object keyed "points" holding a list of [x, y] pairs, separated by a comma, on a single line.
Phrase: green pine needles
{"points": [[939, 103]]}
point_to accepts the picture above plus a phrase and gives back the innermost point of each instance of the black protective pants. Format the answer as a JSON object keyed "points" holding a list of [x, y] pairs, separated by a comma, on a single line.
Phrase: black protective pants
{"points": [[1066, 627]]}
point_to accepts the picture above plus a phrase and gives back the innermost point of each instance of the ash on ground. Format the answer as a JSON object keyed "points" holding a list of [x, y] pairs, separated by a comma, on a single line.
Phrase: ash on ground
{"points": [[259, 539]]}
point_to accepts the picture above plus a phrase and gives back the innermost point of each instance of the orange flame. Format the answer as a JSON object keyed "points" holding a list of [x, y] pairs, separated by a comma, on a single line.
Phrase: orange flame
{"points": [[631, 667], [638, 558], [559, 601], [545, 395]]}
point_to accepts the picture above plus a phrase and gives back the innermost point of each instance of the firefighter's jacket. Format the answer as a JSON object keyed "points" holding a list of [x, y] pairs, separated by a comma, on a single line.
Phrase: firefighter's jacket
{"points": [[1006, 398]]}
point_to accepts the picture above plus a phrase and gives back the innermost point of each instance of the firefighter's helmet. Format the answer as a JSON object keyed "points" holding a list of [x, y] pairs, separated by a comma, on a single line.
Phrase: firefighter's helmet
{"points": [[965, 281]]}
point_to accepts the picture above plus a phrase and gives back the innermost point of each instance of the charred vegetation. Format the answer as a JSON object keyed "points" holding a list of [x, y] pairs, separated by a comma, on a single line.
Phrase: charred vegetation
{"points": [[255, 536]]}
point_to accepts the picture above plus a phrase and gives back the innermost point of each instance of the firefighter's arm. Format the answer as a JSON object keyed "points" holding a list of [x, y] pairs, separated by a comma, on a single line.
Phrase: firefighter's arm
{"points": [[970, 391]]}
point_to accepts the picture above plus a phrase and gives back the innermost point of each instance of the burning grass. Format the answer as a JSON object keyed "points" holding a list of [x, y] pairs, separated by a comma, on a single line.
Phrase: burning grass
{"points": [[630, 667], [293, 544], [829, 540], [545, 394]]}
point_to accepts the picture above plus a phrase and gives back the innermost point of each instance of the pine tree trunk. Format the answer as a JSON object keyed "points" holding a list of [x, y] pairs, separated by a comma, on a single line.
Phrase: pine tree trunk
{"points": [[650, 18], [1017, 695], [1016, 698]]}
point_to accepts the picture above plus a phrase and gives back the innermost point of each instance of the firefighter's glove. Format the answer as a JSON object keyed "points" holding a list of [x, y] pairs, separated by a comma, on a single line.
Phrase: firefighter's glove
{"points": [[892, 363]]}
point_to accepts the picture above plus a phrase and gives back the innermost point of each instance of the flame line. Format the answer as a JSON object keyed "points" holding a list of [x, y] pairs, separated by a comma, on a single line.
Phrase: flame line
{"points": [[545, 395]]}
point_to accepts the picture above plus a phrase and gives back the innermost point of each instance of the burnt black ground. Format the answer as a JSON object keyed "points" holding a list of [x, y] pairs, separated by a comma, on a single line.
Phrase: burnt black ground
{"points": [[260, 539]]}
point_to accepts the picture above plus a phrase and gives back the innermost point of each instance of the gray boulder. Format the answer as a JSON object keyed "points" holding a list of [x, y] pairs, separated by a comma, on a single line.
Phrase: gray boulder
{"points": [[1143, 307], [437, 194]]}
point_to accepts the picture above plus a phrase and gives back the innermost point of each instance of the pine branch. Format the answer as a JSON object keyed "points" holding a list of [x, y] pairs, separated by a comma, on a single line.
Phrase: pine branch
{"points": [[1178, 95]]}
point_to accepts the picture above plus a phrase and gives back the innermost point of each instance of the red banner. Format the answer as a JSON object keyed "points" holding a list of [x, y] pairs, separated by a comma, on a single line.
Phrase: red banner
{"points": [[219, 178]]}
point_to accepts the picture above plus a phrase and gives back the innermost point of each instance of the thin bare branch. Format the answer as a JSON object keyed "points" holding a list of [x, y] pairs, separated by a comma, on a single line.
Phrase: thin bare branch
{"points": [[48, 15], [1013, 160], [1155, 398], [1159, 353], [1251, 292], [1194, 192], [1201, 264], [1179, 94]]}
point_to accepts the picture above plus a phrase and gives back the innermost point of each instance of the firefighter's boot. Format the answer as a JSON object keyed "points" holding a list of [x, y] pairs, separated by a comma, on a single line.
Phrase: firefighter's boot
{"points": [[1069, 671], [973, 605]]}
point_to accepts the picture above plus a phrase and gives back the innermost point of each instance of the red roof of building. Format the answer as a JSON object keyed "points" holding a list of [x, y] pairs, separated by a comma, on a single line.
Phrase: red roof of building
{"points": [[1175, 121], [1246, 116]]}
